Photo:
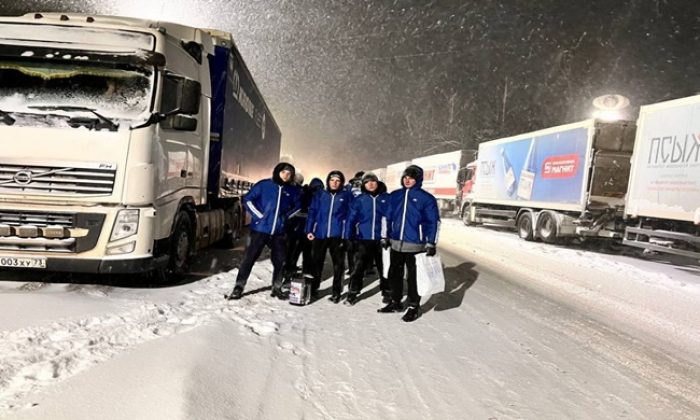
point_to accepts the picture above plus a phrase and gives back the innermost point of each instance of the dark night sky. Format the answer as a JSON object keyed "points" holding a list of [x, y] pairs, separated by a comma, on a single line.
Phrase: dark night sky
{"points": [[360, 84]]}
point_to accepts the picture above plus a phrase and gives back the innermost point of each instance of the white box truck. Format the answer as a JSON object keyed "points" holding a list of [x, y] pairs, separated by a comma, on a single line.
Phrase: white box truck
{"points": [[441, 176], [663, 200], [126, 144], [393, 175], [380, 172], [557, 183]]}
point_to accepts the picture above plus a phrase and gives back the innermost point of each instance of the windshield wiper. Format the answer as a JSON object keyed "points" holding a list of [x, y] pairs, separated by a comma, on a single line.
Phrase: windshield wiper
{"points": [[111, 124], [6, 117]]}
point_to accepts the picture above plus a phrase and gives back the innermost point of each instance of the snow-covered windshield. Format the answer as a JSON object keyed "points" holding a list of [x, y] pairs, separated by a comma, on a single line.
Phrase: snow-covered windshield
{"points": [[117, 93]]}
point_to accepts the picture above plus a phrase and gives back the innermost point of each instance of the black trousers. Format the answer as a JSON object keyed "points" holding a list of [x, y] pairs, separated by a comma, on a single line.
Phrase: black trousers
{"points": [[366, 253], [320, 247], [399, 260], [258, 241], [293, 251]]}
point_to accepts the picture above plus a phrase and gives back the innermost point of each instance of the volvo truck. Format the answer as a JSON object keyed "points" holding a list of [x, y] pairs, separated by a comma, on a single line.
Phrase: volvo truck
{"points": [[127, 144]]}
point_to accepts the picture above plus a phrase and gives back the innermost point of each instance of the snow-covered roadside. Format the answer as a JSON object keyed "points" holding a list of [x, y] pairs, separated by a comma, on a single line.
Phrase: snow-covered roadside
{"points": [[658, 301], [65, 339], [491, 349]]}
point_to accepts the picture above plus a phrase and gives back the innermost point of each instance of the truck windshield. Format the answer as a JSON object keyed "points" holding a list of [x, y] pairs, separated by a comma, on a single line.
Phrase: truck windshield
{"points": [[118, 93]]}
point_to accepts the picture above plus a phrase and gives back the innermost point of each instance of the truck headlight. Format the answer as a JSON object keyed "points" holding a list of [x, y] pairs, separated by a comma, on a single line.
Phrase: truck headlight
{"points": [[125, 225]]}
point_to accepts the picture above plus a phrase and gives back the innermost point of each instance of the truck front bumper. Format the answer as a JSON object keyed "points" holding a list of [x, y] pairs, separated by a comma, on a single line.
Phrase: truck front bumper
{"points": [[100, 266]]}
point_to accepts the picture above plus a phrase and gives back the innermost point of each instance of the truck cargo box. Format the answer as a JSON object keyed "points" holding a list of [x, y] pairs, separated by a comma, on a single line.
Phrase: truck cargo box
{"points": [[665, 176], [245, 139], [393, 175], [440, 172], [552, 168]]}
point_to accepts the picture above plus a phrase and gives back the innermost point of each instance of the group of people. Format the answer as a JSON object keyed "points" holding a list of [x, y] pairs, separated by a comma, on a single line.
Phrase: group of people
{"points": [[356, 220]]}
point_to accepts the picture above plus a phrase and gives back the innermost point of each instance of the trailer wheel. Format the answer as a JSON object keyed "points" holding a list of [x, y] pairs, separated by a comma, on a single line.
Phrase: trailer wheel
{"points": [[525, 230], [547, 227]]}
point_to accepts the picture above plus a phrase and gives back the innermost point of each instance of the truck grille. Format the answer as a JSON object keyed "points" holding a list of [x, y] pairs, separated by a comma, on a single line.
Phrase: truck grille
{"points": [[28, 179], [17, 218]]}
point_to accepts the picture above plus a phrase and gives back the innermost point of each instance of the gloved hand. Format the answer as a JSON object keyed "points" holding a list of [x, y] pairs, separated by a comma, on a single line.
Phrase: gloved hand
{"points": [[430, 250], [385, 243]]}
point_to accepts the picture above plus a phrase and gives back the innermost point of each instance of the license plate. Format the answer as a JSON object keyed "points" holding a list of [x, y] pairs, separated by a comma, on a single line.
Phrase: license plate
{"points": [[24, 262]]}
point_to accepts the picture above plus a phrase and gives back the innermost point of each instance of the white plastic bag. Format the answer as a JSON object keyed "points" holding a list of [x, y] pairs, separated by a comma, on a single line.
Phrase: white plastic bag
{"points": [[386, 262], [429, 275]]}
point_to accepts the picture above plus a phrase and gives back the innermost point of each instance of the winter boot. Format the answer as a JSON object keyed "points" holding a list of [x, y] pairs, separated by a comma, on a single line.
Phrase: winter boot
{"points": [[386, 298], [277, 292], [351, 299], [236, 294], [335, 298], [393, 306], [412, 314]]}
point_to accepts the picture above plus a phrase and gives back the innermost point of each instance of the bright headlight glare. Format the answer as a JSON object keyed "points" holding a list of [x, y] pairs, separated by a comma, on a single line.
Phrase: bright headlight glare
{"points": [[122, 249], [125, 225]]}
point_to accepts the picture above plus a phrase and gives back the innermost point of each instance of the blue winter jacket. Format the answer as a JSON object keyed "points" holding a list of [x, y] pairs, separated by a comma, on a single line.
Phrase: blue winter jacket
{"points": [[367, 216], [413, 215], [271, 203], [328, 214]]}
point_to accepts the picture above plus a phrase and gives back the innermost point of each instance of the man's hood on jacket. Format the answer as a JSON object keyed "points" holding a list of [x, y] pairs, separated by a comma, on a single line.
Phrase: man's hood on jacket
{"points": [[415, 172], [332, 174], [316, 184], [369, 176], [279, 168]]}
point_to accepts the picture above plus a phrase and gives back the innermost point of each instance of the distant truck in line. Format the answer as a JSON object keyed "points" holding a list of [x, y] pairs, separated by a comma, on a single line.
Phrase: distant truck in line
{"points": [[636, 182], [561, 182], [127, 144], [441, 176], [663, 200], [444, 176]]}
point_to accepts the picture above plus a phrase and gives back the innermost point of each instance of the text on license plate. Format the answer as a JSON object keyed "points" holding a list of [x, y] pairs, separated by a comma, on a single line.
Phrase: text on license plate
{"points": [[24, 262]]}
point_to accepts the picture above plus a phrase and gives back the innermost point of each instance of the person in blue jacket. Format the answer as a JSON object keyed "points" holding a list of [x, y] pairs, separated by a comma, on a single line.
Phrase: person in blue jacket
{"points": [[271, 202], [325, 228], [299, 244], [367, 217], [414, 221]]}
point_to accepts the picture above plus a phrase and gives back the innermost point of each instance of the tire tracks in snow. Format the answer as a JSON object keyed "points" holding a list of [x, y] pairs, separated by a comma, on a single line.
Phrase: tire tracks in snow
{"points": [[37, 357]]}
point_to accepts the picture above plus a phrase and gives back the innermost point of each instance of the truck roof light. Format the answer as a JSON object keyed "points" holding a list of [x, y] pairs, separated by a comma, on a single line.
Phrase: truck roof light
{"points": [[38, 16], [90, 19], [64, 18]]}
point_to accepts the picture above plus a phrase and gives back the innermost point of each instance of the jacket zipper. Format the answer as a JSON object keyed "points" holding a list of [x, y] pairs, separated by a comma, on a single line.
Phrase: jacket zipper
{"points": [[330, 215], [374, 212], [403, 219], [277, 209]]}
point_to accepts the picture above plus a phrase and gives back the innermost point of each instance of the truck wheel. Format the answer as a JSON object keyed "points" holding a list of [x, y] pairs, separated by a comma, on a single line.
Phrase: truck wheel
{"points": [[547, 228], [525, 230], [465, 215], [179, 252]]}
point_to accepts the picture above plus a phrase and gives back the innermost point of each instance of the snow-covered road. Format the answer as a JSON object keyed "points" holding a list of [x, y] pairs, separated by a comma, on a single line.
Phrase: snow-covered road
{"points": [[525, 330]]}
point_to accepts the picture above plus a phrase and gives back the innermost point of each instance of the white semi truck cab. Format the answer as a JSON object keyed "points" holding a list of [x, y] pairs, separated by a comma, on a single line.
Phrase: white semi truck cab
{"points": [[118, 148]]}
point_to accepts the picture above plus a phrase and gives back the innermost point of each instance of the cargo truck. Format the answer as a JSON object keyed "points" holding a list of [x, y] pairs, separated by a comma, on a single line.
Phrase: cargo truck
{"points": [[393, 174], [663, 200], [441, 176], [126, 144], [562, 182]]}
